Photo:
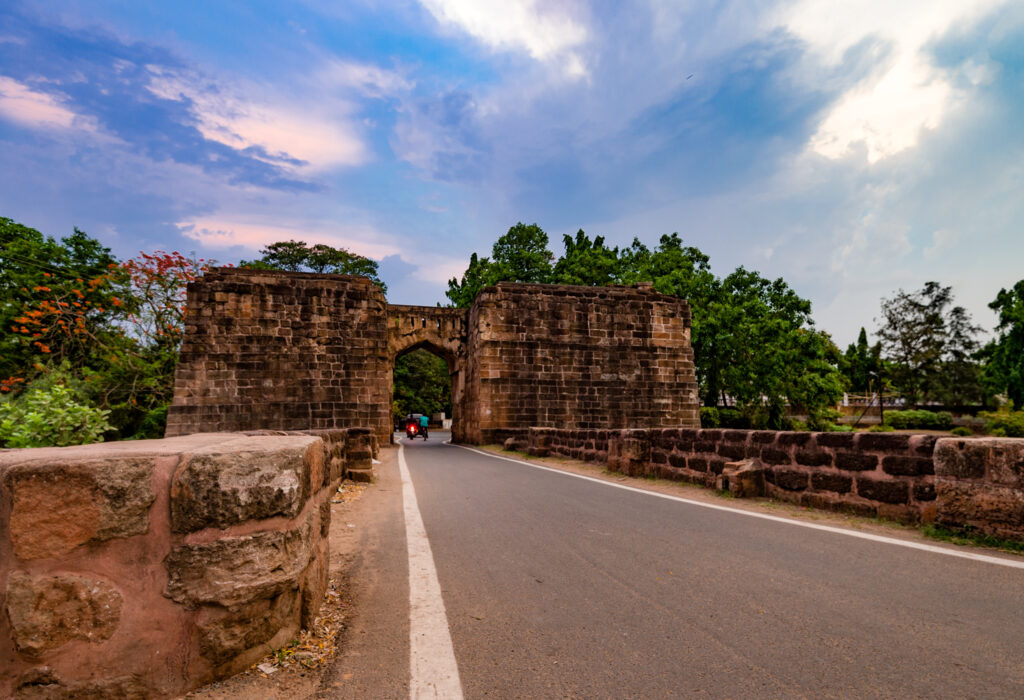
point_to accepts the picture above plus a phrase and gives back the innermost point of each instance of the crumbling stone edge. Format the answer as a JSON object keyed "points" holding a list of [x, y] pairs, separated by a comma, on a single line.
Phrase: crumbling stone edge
{"points": [[149, 568]]}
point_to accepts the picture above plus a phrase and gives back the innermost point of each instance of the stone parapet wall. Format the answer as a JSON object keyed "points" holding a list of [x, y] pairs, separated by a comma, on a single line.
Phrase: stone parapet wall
{"points": [[587, 357], [282, 351], [979, 484], [146, 568], [975, 483]]}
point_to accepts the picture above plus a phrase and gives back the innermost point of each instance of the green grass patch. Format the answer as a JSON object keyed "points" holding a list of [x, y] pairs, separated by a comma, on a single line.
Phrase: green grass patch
{"points": [[970, 537]]}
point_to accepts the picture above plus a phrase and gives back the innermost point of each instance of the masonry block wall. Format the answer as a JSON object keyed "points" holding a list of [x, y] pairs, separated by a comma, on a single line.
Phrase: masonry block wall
{"points": [[964, 483], [147, 568], [285, 351], [576, 357]]}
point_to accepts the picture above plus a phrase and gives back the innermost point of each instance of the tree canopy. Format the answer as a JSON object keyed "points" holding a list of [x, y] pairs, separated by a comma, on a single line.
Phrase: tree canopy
{"points": [[753, 338], [1004, 372], [929, 345], [297, 256]]}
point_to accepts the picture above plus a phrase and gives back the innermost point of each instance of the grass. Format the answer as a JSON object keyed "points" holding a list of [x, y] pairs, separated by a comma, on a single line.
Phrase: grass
{"points": [[968, 537]]}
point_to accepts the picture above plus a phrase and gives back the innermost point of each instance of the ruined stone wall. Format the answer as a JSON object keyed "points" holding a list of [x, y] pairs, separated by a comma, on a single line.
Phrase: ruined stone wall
{"points": [[576, 357], [146, 568], [965, 483], [283, 351]]}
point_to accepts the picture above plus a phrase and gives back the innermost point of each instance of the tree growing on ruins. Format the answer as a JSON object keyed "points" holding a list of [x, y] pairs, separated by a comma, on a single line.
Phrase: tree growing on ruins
{"points": [[297, 256], [1004, 371]]}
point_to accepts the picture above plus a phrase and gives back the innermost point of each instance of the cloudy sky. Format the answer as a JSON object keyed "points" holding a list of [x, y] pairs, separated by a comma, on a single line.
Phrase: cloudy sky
{"points": [[852, 148]]}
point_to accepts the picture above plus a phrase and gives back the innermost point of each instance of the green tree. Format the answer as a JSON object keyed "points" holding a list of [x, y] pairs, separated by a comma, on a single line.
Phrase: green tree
{"points": [[520, 255], [297, 256], [862, 364], [421, 384], [60, 301], [960, 383], [930, 346], [586, 262], [1004, 370], [463, 292]]}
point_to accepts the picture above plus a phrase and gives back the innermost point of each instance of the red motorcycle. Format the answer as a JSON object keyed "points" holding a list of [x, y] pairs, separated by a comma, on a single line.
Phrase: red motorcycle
{"points": [[411, 430]]}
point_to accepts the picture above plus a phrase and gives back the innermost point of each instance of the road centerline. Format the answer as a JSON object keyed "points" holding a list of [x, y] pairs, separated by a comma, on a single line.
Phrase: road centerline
{"points": [[433, 671], [999, 561]]}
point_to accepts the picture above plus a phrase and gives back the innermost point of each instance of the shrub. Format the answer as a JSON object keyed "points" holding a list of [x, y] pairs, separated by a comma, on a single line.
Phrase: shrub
{"points": [[50, 418], [919, 419], [881, 428], [962, 431], [1004, 423], [153, 424], [709, 417], [733, 418]]}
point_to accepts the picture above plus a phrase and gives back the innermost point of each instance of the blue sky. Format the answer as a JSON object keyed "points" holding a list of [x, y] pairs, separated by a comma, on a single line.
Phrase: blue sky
{"points": [[852, 148]]}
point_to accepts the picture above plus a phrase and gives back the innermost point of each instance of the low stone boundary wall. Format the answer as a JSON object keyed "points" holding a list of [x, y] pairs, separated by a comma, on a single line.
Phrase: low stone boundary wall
{"points": [[965, 483], [146, 568]]}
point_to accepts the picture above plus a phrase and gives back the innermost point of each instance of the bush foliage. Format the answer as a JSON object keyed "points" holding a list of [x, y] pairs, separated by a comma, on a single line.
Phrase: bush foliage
{"points": [[53, 417], [919, 420]]}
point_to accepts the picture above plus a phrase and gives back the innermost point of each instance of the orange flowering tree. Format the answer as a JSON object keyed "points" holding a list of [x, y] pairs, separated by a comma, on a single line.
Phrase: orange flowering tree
{"points": [[71, 313]]}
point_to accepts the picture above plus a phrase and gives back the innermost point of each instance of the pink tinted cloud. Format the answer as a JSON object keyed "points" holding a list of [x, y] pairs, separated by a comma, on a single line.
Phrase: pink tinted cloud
{"points": [[24, 106]]}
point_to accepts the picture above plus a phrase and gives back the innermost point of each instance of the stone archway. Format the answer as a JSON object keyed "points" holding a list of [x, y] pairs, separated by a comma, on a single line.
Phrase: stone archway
{"points": [[441, 331], [298, 351]]}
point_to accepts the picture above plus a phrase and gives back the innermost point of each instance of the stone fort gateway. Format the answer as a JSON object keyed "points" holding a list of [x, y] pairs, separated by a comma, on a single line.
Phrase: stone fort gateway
{"points": [[296, 351], [147, 568]]}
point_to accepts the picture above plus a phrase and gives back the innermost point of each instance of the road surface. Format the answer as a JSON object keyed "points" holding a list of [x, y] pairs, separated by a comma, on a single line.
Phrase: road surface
{"points": [[556, 586]]}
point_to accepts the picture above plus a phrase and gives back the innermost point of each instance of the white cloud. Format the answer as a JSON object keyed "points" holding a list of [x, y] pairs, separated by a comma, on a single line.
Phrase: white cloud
{"points": [[368, 79], [547, 31], [228, 230], [887, 110], [322, 132], [39, 110]]}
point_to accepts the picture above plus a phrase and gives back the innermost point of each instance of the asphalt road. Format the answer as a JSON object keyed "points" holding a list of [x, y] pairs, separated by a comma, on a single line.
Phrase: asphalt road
{"points": [[559, 587]]}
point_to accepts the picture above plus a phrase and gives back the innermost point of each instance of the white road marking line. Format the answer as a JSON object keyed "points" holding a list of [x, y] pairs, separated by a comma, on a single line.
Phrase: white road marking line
{"points": [[1012, 563], [433, 672]]}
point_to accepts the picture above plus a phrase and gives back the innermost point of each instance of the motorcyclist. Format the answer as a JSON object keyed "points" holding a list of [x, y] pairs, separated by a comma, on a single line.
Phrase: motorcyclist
{"points": [[410, 426], [423, 425]]}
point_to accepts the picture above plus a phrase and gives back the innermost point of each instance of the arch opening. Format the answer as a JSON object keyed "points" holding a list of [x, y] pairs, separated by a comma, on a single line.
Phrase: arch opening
{"points": [[423, 382]]}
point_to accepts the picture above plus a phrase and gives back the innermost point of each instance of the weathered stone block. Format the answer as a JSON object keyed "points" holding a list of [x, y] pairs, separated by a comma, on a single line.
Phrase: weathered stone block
{"points": [[770, 455], [883, 491], [811, 458], [961, 459], [830, 481], [883, 442], [790, 480], [856, 462], [43, 684], [68, 500], [924, 492], [997, 510], [732, 451], [796, 438], [271, 477], [225, 634], [744, 479], [46, 612], [900, 465], [238, 570], [842, 440]]}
